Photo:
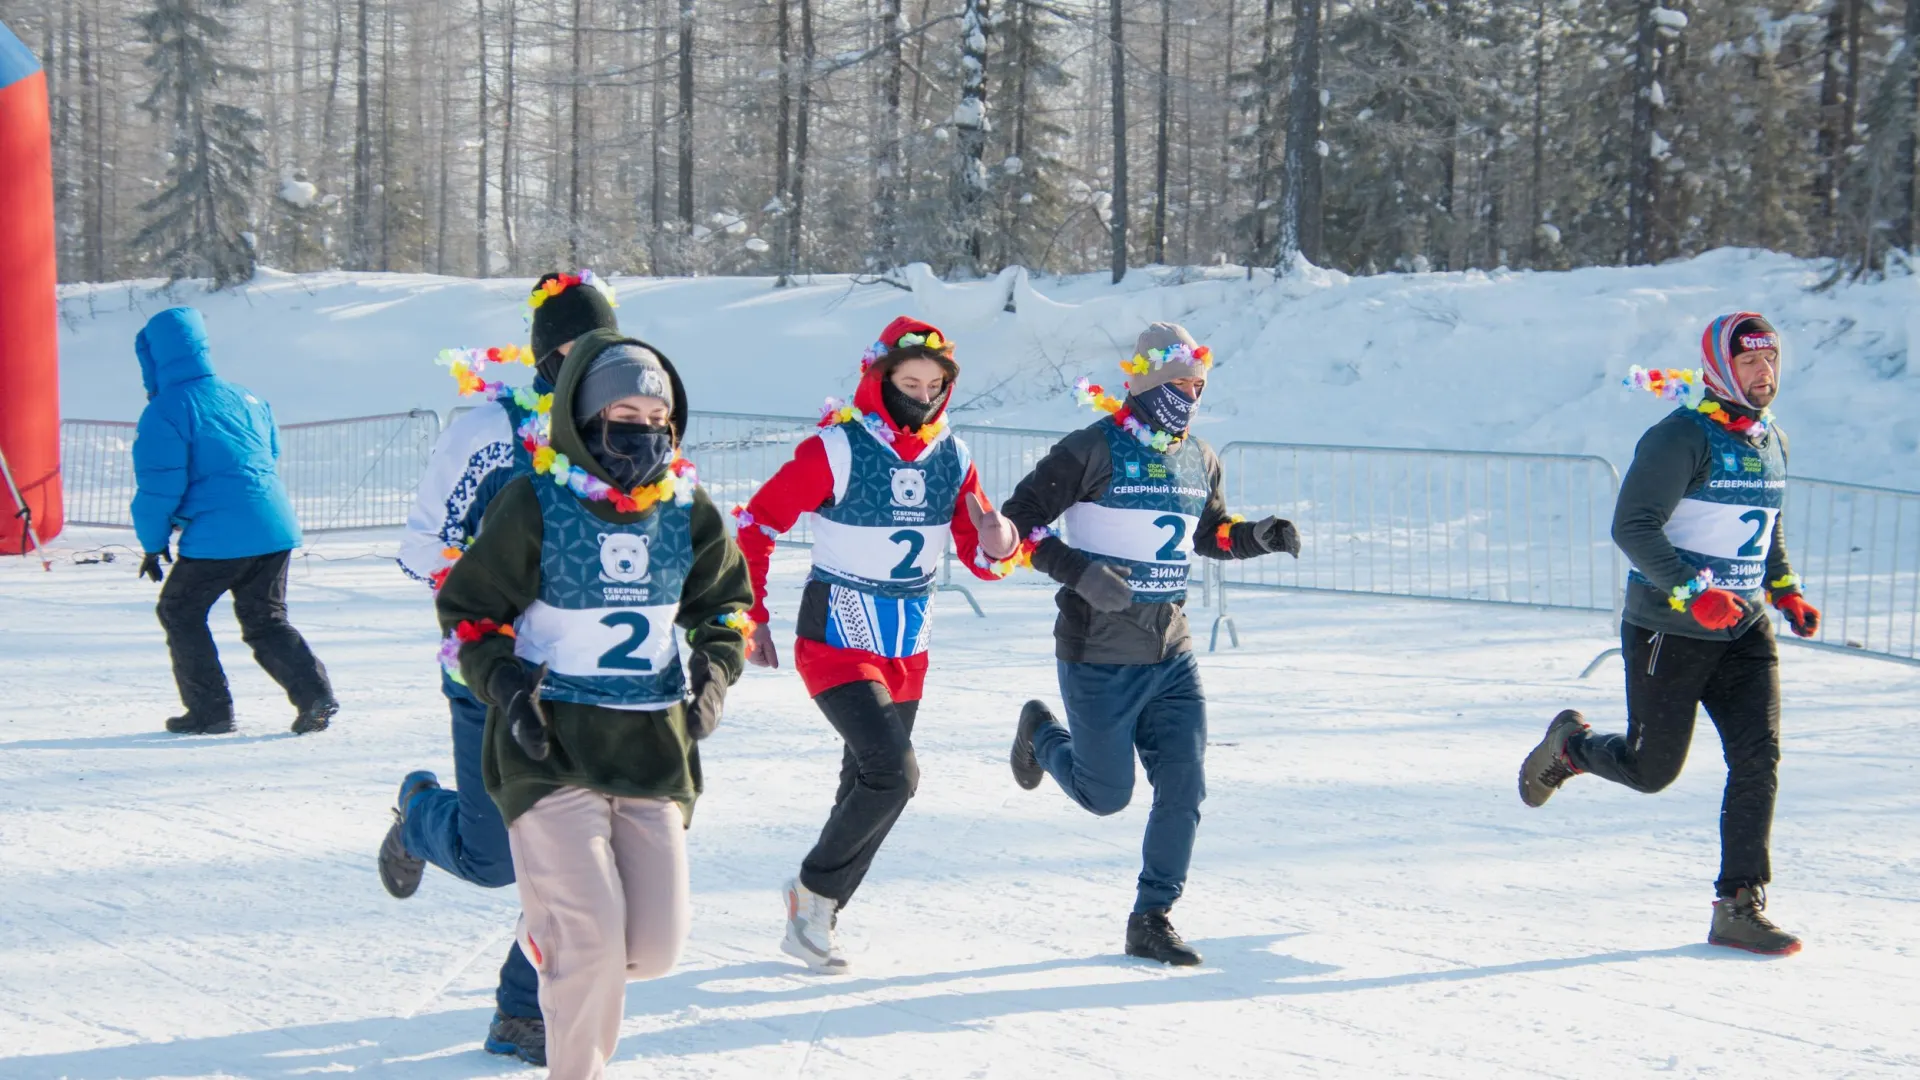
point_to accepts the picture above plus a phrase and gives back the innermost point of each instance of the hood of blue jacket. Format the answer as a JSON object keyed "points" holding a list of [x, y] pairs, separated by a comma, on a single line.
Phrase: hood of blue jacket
{"points": [[172, 349]]}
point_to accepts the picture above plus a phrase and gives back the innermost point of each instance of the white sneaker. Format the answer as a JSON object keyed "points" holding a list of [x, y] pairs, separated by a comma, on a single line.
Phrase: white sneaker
{"points": [[810, 930]]}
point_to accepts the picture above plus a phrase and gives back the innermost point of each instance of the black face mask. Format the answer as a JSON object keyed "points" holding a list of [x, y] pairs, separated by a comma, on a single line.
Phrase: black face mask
{"points": [[1166, 407], [906, 410], [633, 455]]}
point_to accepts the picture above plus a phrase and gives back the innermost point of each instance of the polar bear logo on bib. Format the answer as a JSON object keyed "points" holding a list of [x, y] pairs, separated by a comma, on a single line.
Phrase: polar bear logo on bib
{"points": [[623, 558], [909, 487]]}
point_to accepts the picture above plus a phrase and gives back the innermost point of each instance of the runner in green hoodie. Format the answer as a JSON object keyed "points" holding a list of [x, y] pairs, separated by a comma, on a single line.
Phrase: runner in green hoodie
{"points": [[565, 616]]}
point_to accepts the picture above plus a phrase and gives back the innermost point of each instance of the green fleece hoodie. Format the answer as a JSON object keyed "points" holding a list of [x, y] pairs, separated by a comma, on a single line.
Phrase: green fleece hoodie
{"points": [[614, 751]]}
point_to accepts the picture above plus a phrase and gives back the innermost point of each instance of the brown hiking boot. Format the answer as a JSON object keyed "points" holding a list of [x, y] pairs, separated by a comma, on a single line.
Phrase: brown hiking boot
{"points": [[1548, 766], [1740, 922]]}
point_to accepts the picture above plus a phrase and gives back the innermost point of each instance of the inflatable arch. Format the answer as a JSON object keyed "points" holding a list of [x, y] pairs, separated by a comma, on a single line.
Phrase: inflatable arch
{"points": [[29, 349]]}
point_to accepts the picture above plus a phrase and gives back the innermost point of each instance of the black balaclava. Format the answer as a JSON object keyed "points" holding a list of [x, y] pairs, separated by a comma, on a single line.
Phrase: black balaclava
{"points": [[1166, 407], [633, 455], [907, 411]]}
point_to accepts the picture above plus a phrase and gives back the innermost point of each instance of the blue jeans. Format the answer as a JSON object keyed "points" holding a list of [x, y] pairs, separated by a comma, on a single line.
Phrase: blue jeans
{"points": [[460, 831], [1114, 710]]}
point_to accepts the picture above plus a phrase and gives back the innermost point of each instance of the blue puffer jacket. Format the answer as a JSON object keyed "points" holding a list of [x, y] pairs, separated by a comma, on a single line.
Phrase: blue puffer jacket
{"points": [[204, 459]]}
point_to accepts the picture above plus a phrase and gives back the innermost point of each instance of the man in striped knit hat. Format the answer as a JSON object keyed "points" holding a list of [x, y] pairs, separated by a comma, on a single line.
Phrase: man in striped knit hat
{"points": [[1699, 517]]}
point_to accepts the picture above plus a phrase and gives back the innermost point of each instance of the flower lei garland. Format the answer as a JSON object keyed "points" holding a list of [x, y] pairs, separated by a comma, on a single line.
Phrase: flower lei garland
{"points": [[1687, 387], [561, 284], [465, 365], [1683, 595], [536, 436], [839, 412], [466, 632], [1092, 394], [1021, 555], [932, 340], [1199, 356], [1220, 535], [744, 520]]}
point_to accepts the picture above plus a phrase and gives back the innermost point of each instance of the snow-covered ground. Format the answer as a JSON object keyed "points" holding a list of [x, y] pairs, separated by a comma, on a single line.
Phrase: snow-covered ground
{"points": [[1529, 362], [1372, 898]]}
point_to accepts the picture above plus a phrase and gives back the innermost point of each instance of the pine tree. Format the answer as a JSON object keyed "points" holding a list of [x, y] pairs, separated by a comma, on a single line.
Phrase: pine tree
{"points": [[200, 214]]}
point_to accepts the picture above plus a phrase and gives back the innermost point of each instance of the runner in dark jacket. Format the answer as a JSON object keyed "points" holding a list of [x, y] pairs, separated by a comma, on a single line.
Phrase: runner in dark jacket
{"points": [[1699, 515], [1139, 496]]}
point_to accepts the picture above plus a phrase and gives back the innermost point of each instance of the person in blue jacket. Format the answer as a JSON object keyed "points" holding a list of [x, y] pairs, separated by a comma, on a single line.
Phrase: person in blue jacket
{"points": [[204, 463]]}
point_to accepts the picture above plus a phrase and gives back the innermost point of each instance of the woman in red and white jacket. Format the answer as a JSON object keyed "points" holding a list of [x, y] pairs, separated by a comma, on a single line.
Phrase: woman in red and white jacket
{"points": [[887, 483]]}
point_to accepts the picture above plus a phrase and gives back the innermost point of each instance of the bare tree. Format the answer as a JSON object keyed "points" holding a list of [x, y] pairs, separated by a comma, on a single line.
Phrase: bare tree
{"points": [[1300, 171], [685, 119]]}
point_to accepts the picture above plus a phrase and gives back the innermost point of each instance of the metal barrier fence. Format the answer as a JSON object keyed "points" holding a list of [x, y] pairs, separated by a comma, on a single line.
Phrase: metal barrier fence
{"points": [[96, 472], [1857, 551], [1527, 529], [358, 473], [737, 452], [340, 474]]}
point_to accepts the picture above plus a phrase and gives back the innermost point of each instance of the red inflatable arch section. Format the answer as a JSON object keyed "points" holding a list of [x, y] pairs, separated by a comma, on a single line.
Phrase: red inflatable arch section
{"points": [[29, 351]]}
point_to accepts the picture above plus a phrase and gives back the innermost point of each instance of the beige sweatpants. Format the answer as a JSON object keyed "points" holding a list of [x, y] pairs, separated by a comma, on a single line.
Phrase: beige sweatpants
{"points": [[603, 899]]}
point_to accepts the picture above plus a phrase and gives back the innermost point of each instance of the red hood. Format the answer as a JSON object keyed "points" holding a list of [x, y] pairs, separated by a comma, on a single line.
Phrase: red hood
{"points": [[867, 399]]}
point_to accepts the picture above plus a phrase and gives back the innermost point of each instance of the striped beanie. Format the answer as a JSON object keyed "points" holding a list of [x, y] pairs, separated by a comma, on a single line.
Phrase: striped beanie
{"points": [[1727, 337]]}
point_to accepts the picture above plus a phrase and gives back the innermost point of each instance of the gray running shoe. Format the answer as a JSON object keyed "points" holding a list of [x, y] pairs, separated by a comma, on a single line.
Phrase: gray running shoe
{"points": [[1548, 766]]}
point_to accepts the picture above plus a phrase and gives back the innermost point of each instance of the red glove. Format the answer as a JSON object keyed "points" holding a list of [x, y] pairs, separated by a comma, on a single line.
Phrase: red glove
{"points": [[1717, 609], [1802, 616]]}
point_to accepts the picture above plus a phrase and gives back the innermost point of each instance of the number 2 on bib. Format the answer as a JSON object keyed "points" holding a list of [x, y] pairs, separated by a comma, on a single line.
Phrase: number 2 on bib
{"points": [[1758, 519], [915, 541], [620, 657], [1170, 551]]}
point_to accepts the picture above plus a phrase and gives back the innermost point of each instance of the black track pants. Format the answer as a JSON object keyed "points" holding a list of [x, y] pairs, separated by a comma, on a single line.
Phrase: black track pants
{"points": [[877, 776], [259, 587], [1739, 683]]}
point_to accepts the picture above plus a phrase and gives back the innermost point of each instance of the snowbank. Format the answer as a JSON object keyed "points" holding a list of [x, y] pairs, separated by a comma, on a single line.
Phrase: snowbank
{"points": [[1471, 360]]}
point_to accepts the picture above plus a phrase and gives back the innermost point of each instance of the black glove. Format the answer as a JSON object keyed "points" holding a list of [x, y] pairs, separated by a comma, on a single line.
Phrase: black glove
{"points": [[150, 566], [1276, 535], [1104, 587], [709, 693], [512, 687]]}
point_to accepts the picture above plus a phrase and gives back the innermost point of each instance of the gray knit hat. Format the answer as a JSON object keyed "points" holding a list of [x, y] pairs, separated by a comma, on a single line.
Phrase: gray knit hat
{"points": [[621, 370], [1180, 357]]}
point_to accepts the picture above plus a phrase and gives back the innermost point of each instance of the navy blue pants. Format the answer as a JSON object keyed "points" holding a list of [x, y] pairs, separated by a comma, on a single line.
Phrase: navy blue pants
{"points": [[460, 831], [1114, 711]]}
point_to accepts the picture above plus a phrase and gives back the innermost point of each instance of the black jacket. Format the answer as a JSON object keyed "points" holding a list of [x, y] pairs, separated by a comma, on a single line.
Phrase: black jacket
{"points": [[1669, 464], [1078, 469]]}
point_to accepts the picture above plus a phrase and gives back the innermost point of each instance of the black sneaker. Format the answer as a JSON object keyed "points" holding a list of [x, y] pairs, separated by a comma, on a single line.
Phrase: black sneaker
{"points": [[1740, 922], [315, 716], [524, 1037], [200, 723], [400, 870], [1026, 768], [1547, 766], [1151, 936]]}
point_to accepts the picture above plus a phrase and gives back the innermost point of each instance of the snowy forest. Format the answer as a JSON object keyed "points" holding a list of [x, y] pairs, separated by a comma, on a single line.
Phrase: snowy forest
{"points": [[495, 137]]}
